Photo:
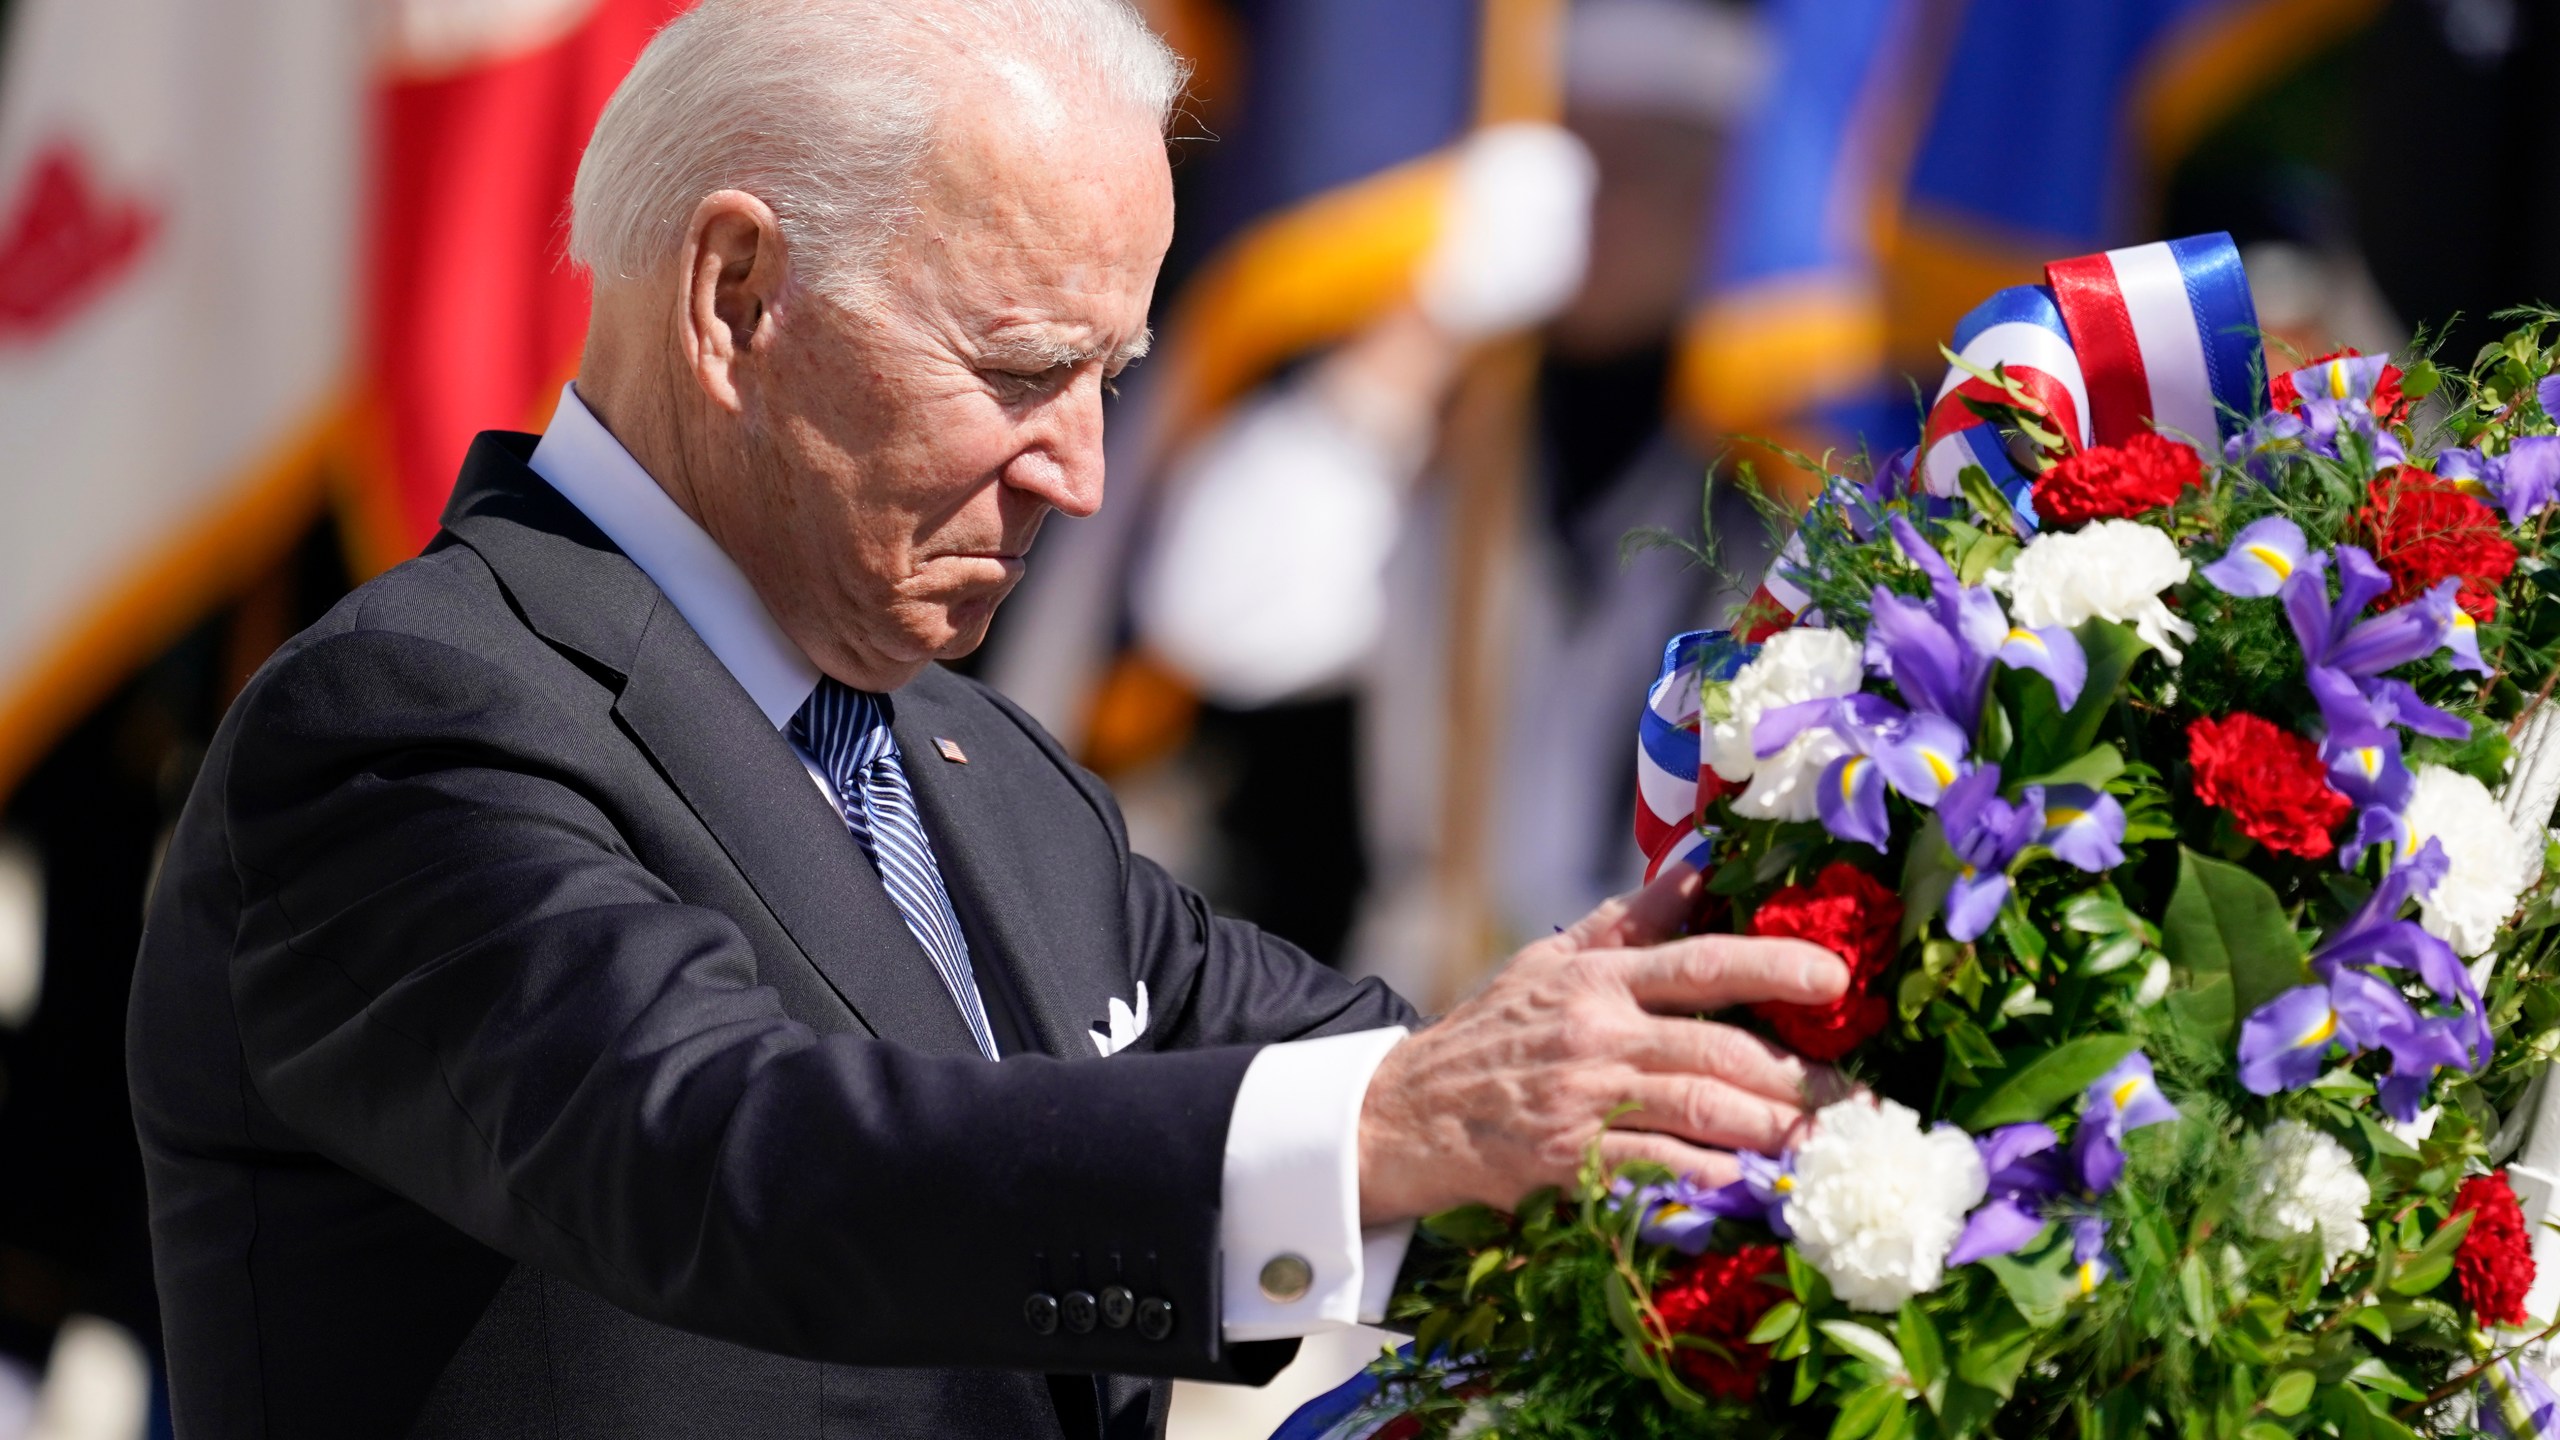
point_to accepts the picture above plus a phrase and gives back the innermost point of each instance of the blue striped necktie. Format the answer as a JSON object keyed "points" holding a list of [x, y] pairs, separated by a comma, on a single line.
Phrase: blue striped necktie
{"points": [[847, 732]]}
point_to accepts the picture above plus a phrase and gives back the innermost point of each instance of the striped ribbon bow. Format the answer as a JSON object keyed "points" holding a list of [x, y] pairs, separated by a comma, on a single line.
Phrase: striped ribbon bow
{"points": [[2152, 336]]}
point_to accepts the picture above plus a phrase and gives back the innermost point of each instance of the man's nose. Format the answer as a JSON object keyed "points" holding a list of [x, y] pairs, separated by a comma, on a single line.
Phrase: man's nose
{"points": [[1062, 464]]}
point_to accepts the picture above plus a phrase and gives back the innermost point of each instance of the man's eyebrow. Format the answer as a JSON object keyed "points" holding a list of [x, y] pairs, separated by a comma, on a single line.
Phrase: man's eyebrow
{"points": [[1035, 352]]}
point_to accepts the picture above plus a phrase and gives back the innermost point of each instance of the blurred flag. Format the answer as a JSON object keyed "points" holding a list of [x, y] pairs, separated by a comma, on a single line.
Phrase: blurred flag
{"points": [[245, 244], [472, 318], [179, 187], [2041, 130]]}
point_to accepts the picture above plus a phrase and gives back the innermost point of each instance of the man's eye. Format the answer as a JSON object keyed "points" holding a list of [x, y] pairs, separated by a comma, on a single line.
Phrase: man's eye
{"points": [[1018, 384]]}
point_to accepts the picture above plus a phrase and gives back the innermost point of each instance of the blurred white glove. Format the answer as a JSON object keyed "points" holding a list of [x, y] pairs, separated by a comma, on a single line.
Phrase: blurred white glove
{"points": [[1516, 236], [1265, 577]]}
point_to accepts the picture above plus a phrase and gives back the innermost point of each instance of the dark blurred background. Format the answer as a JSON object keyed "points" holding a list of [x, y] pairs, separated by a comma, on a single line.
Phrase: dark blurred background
{"points": [[1465, 293]]}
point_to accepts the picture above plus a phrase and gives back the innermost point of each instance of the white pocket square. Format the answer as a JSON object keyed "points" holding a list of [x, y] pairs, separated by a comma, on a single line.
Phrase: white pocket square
{"points": [[1113, 1035]]}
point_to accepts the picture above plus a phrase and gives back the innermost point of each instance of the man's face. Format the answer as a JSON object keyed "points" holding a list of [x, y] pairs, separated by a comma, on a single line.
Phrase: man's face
{"points": [[903, 455]]}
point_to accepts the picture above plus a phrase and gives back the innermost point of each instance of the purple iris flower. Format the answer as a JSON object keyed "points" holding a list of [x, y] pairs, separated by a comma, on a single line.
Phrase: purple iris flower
{"points": [[2089, 1252], [1939, 653], [2023, 1163], [1761, 1193], [2083, 827], [2326, 420], [1678, 1213], [2269, 435], [2262, 557], [1918, 755], [2548, 392], [2285, 1043], [1987, 834], [2338, 637], [2365, 765], [2376, 935], [2529, 478], [2528, 1402], [2123, 1100]]}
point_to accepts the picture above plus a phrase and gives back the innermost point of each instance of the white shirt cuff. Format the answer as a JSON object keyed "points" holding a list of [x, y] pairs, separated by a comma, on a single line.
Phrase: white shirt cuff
{"points": [[1291, 1190]]}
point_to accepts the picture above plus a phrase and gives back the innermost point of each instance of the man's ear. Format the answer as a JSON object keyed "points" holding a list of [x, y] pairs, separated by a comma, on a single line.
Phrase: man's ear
{"points": [[735, 271]]}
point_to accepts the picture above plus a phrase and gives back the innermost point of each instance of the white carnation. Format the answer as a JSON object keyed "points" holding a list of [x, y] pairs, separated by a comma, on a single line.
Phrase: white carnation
{"points": [[2492, 864], [2110, 570], [2304, 1185], [1877, 1201], [1794, 666]]}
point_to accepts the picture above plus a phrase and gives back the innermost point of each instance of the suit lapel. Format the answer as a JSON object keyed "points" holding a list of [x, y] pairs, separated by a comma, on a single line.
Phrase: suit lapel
{"points": [[1065, 971], [739, 776]]}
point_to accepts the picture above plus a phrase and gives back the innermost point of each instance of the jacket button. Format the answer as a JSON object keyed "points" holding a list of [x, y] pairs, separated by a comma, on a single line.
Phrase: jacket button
{"points": [[1040, 1312], [1155, 1318], [1118, 1306], [1079, 1310]]}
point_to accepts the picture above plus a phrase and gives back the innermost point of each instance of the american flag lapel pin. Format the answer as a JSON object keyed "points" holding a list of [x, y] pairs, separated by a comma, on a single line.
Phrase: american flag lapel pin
{"points": [[950, 749]]}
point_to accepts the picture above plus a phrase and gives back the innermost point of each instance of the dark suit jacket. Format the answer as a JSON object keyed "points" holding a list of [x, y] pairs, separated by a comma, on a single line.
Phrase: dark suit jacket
{"points": [[522, 1047]]}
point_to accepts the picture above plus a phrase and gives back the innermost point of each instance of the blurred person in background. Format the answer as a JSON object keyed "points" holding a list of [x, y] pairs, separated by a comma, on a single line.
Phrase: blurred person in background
{"points": [[1308, 544]]}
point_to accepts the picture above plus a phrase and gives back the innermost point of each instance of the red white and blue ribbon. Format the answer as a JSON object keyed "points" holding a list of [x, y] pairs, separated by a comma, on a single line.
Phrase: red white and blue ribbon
{"points": [[1667, 748], [2151, 336], [2162, 335]]}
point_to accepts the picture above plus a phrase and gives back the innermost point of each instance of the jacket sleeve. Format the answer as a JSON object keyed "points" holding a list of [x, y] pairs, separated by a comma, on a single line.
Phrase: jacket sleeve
{"points": [[455, 979]]}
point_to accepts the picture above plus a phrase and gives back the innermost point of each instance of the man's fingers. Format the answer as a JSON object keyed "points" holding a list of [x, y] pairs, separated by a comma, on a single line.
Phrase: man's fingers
{"points": [[1682, 1046], [1707, 1111], [1707, 1167], [1641, 917], [1710, 972]]}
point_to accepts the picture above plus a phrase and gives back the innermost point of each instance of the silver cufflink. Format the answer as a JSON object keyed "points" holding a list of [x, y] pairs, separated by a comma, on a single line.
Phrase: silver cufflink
{"points": [[1286, 1278]]}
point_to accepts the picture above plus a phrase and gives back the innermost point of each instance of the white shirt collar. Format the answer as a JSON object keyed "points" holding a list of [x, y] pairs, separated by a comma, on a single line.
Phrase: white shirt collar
{"points": [[582, 460]]}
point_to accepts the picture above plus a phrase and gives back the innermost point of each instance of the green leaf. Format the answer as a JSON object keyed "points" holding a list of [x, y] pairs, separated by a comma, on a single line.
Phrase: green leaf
{"points": [[2093, 767], [1782, 1317], [2227, 934], [1866, 1343], [2374, 1321], [1622, 1306], [2420, 1276], [2041, 1287], [2290, 1393], [2195, 1288], [1897, 1418], [1928, 873], [2375, 1375], [1810, 1289], [2446, 1240], [1861, 1413], [2053, 735], [2039, 1086], [2421, 380], [1924, 1355], [1987, 499], [2264, 1430], [1483, 1265], [1998, 1351]]}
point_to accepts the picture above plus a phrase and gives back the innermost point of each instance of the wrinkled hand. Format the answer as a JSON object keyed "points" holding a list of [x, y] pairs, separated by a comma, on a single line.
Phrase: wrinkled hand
{"points": [[1505, 1093]]}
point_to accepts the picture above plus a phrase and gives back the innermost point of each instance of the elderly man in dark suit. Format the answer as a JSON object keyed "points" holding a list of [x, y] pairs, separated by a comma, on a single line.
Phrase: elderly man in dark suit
{"points": [[609, 981]]}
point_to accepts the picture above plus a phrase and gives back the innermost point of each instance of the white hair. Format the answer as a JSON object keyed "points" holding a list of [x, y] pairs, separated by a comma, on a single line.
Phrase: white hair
{"points": [[825, 110]]}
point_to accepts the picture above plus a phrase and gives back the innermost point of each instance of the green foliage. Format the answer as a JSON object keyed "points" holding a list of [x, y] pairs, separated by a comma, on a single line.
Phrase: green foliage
{"points": [[2199, 1320]]}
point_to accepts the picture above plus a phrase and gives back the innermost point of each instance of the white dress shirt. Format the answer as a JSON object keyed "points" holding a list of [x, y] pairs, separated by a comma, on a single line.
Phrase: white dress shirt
{"points": [[1291, 1181]]}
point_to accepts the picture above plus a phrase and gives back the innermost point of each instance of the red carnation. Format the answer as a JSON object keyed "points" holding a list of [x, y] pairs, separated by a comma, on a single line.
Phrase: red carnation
{"points": [[2495, 1260], [2270, 779], [2389, 405], [2103, 481], [2424, 529], [1846, 912], [1719, 1297]]}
